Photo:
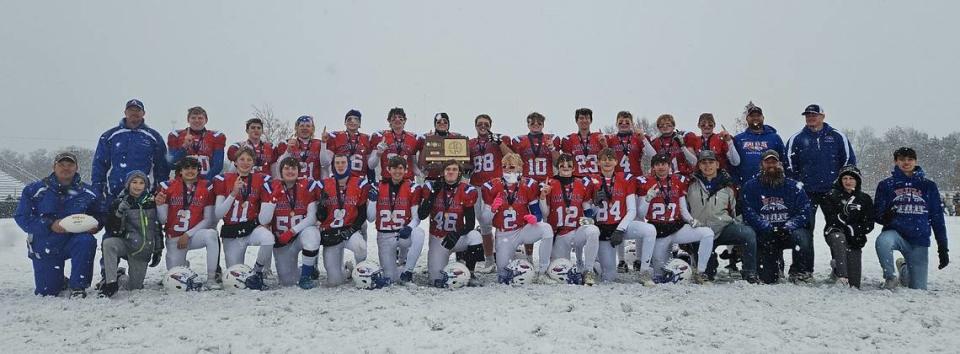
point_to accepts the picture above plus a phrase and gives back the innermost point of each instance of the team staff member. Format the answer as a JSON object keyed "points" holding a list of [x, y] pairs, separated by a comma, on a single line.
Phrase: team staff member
{"points": [[42, 205]]}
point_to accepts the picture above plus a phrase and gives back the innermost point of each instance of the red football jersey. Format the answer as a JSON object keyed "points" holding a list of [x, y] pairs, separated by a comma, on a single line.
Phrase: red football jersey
{"points": [[263, 150], [394, 208], [309, 154], [204, 144], [487, 159], [584, 152], [246, 207], [449, 206], [185, 204], [539, 159], [665, 207], [618, 187], [565, 204], [342, 202], [516, 201], [673, 148], [712, 142], [629, 152], [405, 144], [356, 146], [294, 200]]}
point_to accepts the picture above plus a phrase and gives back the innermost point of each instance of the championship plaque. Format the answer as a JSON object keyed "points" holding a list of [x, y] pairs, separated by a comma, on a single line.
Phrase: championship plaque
{"points": [[437, 149]]}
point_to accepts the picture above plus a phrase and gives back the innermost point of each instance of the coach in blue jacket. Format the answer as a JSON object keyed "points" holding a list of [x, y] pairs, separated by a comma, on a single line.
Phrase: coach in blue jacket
{"points": [[777, 209], [131, 145], [908, 206], [815, 156], [751, 143], [42, 205]]}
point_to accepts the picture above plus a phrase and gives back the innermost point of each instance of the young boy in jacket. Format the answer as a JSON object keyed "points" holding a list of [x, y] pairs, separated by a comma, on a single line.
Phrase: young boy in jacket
{"points": [[908, 206], [136, 234], [849, 217]]}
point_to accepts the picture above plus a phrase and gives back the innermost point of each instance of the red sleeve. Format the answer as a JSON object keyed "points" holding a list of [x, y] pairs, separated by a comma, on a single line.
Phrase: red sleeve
{"points": [[281, 149], [641, 187], [211, 196], [231, 151], [566, 145], [690, 139], [557, 143], [486, 194], [219, 141], [375, 139], [266, 193], [415, 194], [533, 191], [682, 184], [218, 183], [173, 141], [470, 195]]}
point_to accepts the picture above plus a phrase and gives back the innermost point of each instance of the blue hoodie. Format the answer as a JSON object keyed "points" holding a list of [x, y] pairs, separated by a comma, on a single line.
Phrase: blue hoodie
{"points": [[750, 146], [766, 207], [122, 150], [815, 158], [915, 203], [46, 200]]}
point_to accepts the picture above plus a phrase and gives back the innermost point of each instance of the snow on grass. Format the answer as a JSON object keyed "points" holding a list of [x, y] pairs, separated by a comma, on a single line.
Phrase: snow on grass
{"points": [[726, 317]]}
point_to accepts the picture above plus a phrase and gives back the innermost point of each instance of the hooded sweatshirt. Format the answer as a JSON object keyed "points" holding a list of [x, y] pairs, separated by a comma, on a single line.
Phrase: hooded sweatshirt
{"points": [[750, 146], [911, 206], [849, 212]]}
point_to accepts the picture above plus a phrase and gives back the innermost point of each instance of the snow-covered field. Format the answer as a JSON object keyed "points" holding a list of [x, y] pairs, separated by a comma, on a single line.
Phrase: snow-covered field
{"points": [[728, 317]]}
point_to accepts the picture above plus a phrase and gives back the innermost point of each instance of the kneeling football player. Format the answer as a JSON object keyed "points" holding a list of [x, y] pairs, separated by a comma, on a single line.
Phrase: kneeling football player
{"points": [[566, 198], [450, 206], [392, 206], [290, 211], [342, 212]]}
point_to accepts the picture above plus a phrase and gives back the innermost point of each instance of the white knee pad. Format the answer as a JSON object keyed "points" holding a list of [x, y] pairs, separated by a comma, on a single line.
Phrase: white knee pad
{"points": [[310, 238], [261, 237]]}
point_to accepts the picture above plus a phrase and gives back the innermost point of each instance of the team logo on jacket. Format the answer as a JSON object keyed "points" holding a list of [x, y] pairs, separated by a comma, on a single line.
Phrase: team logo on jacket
{"points": [[909, 200], [773, 209], [755, 146]]}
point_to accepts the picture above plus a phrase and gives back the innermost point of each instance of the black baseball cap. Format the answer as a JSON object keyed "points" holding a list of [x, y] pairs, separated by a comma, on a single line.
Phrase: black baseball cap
{"points": [[135, 103], [660, 158], [66, 155], [707, 155], [812, 109], [754, 109]]}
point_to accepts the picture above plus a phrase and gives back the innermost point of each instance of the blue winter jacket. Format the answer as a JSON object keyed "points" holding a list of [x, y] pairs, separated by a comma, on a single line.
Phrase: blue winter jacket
{"points": [[750, 146], [122, 150], [815, 158], [47, 200], [766, 207], [914, 205]]}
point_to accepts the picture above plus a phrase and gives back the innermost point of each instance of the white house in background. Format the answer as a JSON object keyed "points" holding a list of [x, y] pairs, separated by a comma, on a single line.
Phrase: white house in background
{"points": [[9, 186]]}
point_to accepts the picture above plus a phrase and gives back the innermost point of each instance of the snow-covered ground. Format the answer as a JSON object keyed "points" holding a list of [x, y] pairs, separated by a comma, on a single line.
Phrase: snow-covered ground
{"points": [[728, 317]]}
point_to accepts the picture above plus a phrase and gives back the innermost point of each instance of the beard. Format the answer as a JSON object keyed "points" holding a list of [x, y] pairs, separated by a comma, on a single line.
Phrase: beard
{"points": [[772, 177]]}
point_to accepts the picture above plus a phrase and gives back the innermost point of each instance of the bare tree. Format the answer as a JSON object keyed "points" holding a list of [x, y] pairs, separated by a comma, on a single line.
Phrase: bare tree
{"points": [[274, 129]]}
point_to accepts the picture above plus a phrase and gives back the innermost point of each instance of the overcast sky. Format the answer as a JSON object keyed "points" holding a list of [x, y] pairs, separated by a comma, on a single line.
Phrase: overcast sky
{"points": [[67, 67]]}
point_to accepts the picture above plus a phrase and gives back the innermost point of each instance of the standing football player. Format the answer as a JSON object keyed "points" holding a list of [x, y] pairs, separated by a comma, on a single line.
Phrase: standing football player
{"points": [[566, 199], [511, 204], [290, 210], [342, 212], [449, 205], [351, 142], [486, 152], [263, 150], [671, 142], [395, 142], [305, 148], [196, 141], [584, 144], [663, 201], [238, 205], [720, 143], [392, 206], [441, 127], [616, 213], [536, 148], [185, 207]]}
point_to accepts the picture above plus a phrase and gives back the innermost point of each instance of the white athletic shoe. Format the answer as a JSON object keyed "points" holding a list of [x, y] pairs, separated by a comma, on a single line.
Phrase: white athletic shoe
{"points": [[487, 267]]}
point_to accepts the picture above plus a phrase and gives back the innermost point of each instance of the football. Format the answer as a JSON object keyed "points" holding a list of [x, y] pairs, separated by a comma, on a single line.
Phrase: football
{"points": [[77, 223]]}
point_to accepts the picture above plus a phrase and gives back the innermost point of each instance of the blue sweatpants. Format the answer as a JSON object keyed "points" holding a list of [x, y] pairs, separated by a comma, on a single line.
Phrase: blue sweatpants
{"points": [[49, 256]]}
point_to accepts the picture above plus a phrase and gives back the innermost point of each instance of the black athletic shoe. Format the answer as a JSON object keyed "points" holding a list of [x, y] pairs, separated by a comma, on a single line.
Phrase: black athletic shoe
{"points": [[109, 289], [622, 267], [78, 294]]}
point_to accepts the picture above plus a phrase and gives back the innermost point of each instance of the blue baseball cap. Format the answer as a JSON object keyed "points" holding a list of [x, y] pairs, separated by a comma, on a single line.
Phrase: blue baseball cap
{"points": [[135, 103], [304, 120], [812, 109]]}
